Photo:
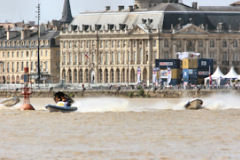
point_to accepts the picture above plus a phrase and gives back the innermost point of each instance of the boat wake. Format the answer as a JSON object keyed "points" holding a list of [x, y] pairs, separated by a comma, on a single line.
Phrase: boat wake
{"points": [[110, 104]]}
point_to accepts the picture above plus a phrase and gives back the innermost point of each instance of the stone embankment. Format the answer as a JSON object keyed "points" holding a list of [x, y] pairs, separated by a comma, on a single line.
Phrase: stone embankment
{"points": [[125, 93]]}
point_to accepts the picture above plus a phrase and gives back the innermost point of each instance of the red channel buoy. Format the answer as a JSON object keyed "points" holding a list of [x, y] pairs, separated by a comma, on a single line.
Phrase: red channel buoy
{"points": [[26, 91]]}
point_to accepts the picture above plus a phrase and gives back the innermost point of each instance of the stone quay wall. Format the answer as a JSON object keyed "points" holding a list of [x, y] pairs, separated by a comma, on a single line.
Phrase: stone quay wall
{"points": [[124, 93]]}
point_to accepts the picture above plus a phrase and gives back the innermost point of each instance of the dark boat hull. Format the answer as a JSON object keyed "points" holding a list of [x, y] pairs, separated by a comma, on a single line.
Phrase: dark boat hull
{"points": [[54, 108]]}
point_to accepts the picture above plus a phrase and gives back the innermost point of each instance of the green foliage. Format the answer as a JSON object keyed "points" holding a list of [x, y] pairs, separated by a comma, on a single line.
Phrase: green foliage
{"points": [[130, 94], [71, 95], [141, 92]]}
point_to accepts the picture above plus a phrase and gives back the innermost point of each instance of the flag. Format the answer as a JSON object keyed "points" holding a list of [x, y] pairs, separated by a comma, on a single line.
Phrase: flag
{"points": [[210, 77]]}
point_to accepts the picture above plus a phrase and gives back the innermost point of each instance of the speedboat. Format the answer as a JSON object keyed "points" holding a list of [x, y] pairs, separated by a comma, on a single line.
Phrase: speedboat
{"points": [[194, 104], [9, 102]]}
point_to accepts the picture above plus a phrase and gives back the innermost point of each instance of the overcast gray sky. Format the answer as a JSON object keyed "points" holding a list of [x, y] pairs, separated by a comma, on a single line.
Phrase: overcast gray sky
{"points": [[18, 10]]}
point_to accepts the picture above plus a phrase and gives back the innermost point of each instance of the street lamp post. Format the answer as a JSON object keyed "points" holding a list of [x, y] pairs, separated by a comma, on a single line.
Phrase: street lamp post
{"points": [[38, 56]]}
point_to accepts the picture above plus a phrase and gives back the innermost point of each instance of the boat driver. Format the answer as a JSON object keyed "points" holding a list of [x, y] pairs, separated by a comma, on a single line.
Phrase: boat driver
{"points": [[61, 99]]}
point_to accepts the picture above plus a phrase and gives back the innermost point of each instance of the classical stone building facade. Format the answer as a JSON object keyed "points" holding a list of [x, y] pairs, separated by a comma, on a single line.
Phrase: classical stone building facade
{"points": [[19, 50], [118, 46]]}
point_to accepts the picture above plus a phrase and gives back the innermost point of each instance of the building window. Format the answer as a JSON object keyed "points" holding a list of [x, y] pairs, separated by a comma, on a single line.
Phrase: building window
{"points": [[8, 54], [200, 43], [154, 43], [235, 56], [101, 58], [134, 43], [235, 43], [134, 56], [146, 42], [106, 44], [124, 43], [12, 54], [225, 56], [119, 57], [31, 66], [17, 66], [154, 55], [106, 60], [27, 54], [8, 67], [70, 58], [118, 44], [17, 54], [87, 44], [212, 43], [13, 67], [113, 44], [46, 66], [179, 44], [146, 56], [101, 44], [129, 56], [82, 57], [112, 58], [224, 43], [82, 44], [46, 53], [166, 55], [93, 57], [166, 43]]}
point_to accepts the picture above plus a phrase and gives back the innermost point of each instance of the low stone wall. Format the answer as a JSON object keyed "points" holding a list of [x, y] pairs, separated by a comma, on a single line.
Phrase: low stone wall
{"points": [[128, 93]]}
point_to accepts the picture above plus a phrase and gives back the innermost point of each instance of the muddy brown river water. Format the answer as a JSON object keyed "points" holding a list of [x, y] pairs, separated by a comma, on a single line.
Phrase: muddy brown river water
{"points": [[123, 129]]}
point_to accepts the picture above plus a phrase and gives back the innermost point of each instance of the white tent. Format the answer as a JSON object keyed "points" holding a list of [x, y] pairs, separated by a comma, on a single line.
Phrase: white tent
{"points": [[217, 75], [231, 74]]}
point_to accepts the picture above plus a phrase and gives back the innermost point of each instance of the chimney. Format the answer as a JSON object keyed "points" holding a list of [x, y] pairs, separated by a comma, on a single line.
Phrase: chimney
{"points": [[195, 5], [11, 34], [25, 34], [120, 8], [130, 8], [2, 31], [219, 27], [108, 8]]}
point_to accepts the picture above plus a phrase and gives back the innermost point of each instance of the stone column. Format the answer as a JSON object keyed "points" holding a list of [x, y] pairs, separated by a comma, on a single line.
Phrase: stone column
{"points": [[218, 46], [207, 48], [230, 53]]}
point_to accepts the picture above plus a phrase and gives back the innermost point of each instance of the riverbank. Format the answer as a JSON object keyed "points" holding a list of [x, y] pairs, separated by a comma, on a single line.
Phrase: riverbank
{"points": [[124, 93]]}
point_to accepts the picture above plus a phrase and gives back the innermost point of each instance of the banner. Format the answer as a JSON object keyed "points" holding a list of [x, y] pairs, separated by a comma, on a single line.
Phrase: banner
{"points": [[154, 75], [139, 75], [169, 76]]}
